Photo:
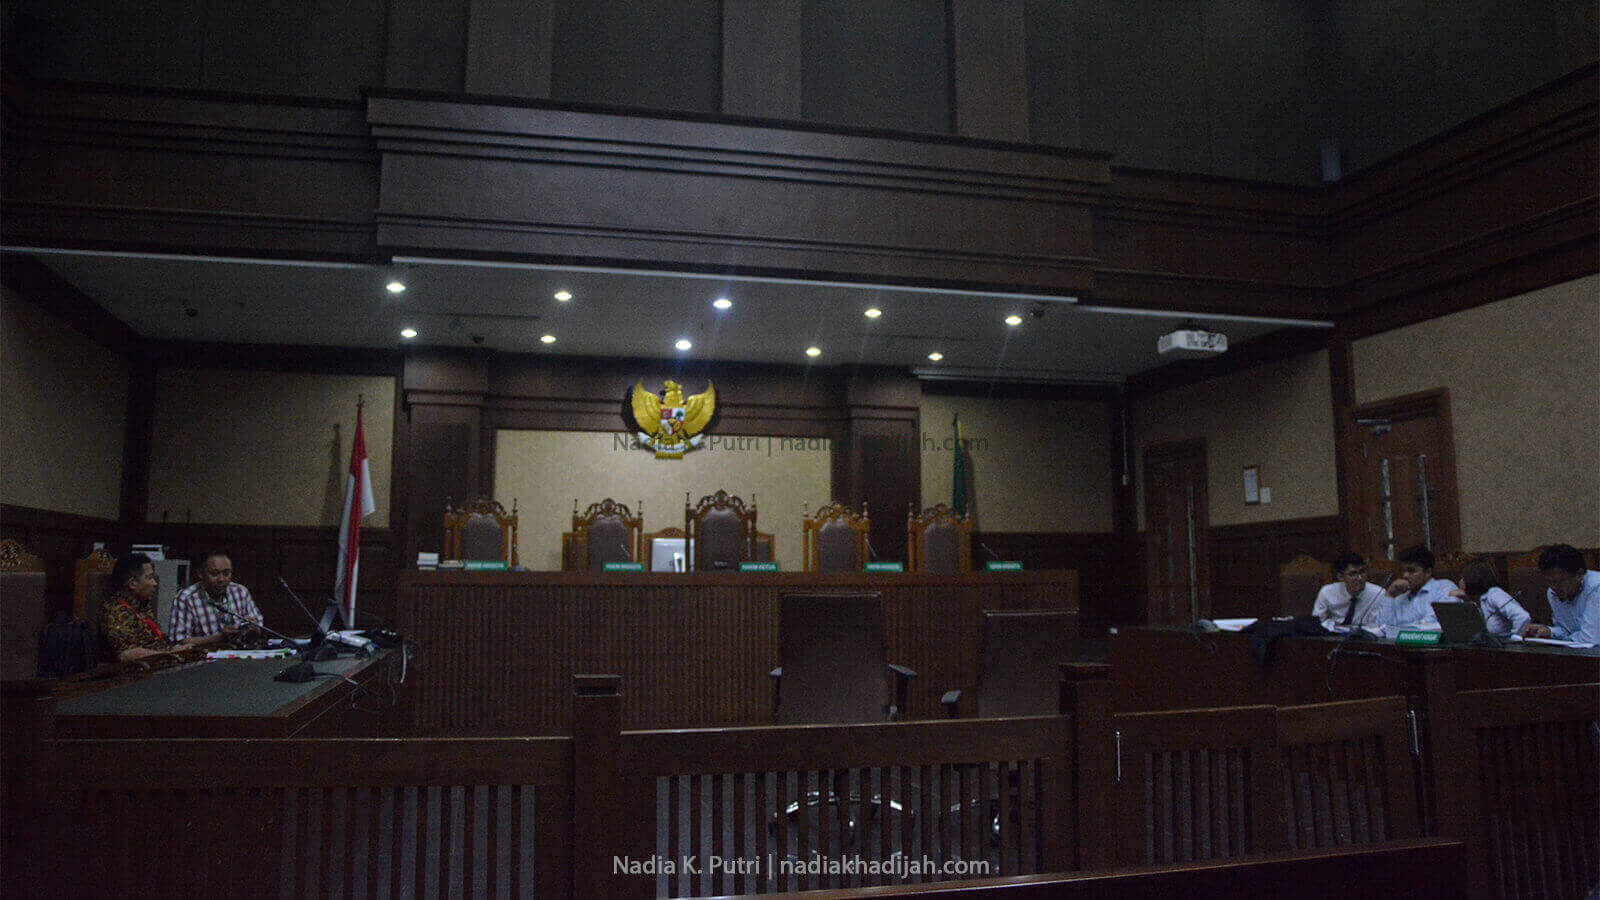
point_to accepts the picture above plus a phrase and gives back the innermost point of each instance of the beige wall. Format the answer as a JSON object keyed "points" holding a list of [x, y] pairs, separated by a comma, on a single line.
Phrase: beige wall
{"points": [[63, 401], [1278, 416], [544, 471], [1524, 383], [1036, 465], [265, 448]]}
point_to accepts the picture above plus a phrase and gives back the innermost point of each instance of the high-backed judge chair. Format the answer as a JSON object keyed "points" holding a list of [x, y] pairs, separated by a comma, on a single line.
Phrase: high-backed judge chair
{"points": [[24, 610], [1019, 671], [606, 532], [834, 538], [98, 562], [481, 530], [938, 539], [1299, 580], [832, 666], [721, 530]]}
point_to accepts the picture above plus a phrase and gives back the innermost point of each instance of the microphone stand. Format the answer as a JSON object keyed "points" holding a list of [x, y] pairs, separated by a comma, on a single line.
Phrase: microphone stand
{"points": [[319, 637], [298, 673]]}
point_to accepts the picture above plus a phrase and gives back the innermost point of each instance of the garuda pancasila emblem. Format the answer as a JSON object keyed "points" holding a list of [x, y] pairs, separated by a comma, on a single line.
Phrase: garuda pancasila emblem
{"points": [[669, 424]]}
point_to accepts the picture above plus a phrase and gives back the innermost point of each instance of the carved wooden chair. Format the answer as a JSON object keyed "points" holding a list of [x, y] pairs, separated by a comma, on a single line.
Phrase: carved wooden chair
{"points": [[24, 610], [1299, 580], [721, 531], [99, 562], [1380, 569], [481, 530], [606, 532], [669, 533], [834, 538], [938, 540]]}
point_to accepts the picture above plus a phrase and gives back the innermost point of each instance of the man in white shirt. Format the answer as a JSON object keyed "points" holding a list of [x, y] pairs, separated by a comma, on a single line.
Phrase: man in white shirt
{"points": [[1412, 595], [1574, 597], [1351, 600]]}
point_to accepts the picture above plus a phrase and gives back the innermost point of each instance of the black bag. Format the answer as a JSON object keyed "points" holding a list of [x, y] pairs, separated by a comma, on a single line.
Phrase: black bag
{"points": [[66, 648]]}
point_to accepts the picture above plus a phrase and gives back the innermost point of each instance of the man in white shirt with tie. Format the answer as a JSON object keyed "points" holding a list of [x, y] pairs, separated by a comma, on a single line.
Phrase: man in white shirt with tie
{"points": [[1574, 597], [1412, 595], [1351, 600]]}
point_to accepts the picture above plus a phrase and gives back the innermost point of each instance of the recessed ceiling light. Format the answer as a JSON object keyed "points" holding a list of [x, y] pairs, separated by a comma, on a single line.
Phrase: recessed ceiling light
{"points": [[395, 287], [683, 344], [722, 303], [408, 333], [563, 296], [1013, 320], [547, 339], [873, 312], [936, 356], [813, 351]]}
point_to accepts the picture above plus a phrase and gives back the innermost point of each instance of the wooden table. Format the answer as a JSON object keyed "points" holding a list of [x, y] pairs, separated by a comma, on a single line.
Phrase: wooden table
{"points": [[1168, 668], [238, 698], [497, 651]]}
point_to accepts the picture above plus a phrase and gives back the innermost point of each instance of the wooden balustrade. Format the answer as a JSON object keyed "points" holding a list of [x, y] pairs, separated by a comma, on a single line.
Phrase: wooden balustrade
{"points": [[1186, 795]]}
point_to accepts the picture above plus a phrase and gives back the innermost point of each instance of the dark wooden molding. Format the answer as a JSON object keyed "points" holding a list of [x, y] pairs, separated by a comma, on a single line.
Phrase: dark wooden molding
{"points": [[866, 208], [1245, 560], [36, 283], [274, 357], [1275, 346], [988, 68]]}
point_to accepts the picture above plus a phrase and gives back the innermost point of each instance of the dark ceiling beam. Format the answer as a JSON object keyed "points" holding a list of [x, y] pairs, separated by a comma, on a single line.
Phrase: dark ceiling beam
{"points": [[34, 281]]}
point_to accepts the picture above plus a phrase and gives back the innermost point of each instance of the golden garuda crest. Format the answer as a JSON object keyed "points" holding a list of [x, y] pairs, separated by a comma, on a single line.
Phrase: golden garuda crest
{"points": [[669, 424]]}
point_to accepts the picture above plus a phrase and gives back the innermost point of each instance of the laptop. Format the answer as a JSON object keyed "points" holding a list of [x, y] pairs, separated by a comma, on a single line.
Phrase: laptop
{"points": [[1459, 622]]}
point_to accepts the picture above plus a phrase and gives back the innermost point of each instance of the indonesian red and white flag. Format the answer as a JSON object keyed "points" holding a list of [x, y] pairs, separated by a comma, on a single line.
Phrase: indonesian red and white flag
{"points": [[358, 504]]}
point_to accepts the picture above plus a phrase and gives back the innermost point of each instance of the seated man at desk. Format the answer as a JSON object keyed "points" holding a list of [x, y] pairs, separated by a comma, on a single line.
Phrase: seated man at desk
{"points": [[195, 612], [1351, 600], [1412, 595], [1574, 597], [128, 628]]}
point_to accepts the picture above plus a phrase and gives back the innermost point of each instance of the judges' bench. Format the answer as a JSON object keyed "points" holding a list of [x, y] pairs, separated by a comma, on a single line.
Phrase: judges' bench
{"points": [[498, 650]]}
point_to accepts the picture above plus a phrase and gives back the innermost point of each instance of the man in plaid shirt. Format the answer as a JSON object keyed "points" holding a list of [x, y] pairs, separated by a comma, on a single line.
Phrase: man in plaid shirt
{"points": [[194, 617]]}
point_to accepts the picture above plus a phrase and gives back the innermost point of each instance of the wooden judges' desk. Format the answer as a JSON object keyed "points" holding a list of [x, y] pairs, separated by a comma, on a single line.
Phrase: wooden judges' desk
{"points": [[497, 651], [238, 698]]}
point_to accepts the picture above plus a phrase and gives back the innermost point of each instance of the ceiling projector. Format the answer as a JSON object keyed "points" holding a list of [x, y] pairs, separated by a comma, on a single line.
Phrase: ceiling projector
{"points": [[1192, 343]]}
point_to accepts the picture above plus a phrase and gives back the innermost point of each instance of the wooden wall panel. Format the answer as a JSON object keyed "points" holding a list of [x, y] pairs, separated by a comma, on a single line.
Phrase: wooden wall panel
{"points": [[1245, 561], [539, 181], [497, 652]]}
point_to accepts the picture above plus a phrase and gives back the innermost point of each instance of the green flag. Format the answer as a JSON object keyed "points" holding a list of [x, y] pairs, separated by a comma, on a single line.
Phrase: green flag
{"points": [[958, 475]]}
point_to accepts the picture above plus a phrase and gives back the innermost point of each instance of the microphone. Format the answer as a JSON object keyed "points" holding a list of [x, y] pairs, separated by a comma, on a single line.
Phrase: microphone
{"points": [[985, 548], [301, 671], [316, 624], [871, 553]]}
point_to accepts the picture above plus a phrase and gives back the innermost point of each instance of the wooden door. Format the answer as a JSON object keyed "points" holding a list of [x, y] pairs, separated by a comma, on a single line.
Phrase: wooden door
{"points": [[1177, 533], [1405, 489]]}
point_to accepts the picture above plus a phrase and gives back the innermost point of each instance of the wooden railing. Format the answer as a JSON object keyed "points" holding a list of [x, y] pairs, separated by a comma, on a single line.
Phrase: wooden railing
{"points": [[595, 814]]}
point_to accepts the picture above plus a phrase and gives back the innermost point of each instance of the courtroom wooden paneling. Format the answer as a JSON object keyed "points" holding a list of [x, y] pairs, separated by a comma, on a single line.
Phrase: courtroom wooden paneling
{"points": [[499, 650], [536, 180], [131, 168], [1245, 560], [1104, 594], [1499, 205]]}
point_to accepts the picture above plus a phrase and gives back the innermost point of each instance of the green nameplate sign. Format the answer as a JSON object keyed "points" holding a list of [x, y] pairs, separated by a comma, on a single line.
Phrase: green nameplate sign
{"points": [[883, 567], [624, 567], [1003, 565], [758, 567], [1413, 638], [484, 565]]}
